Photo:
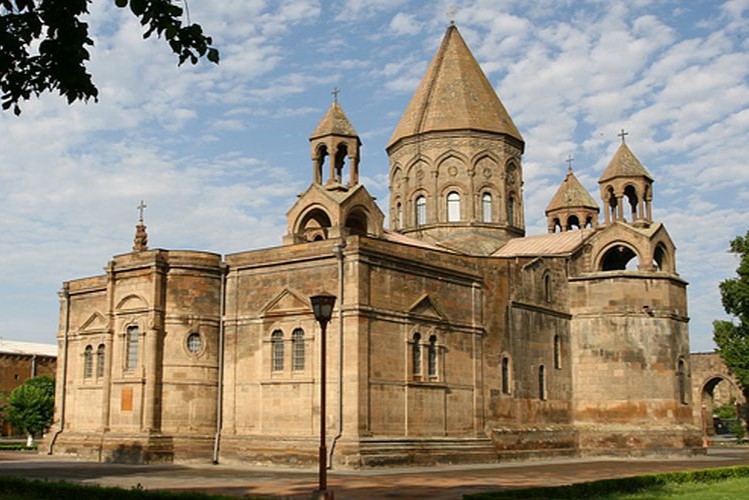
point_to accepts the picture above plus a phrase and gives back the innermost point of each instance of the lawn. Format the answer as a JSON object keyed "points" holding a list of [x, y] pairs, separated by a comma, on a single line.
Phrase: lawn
{"points": [[727, 489]]}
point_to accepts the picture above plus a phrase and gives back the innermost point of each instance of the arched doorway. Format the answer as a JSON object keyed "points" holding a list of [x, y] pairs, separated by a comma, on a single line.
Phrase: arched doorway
{"points": [[716, 391]]}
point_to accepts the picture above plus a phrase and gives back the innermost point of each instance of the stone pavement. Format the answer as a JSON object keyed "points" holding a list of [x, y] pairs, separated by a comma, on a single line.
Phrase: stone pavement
{"points": [[443, 482]]}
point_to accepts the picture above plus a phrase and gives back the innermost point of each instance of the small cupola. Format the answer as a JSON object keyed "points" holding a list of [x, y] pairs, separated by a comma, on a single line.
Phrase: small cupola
{"points": [[335, 139], [627, 182], [572, 207]]}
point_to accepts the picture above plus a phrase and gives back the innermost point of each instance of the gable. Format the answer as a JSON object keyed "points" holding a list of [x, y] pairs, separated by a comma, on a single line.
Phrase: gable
{"points": [[95, 323], [287, 301], [425, 307]]}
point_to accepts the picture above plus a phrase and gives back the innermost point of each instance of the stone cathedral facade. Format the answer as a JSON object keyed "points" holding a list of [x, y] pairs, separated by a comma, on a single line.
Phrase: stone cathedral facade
{"points": [[455, 337]]}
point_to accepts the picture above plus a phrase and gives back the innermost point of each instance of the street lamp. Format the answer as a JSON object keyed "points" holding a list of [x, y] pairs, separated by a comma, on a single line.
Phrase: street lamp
{"points": [[322, 307]]}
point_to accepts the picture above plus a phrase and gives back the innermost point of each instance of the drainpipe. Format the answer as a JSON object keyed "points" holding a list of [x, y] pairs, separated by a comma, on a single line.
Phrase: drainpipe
{"points": [[338, 252], [220, 388], [65, 293]]}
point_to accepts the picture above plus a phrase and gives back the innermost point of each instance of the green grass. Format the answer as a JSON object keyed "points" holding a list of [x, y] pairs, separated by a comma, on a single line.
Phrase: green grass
{"points": [[727, 489], [726, 482]]}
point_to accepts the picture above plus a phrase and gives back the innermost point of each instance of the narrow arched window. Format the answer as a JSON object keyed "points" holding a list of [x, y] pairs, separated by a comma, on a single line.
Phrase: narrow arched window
{"points": [[506, 375], [421, 211], [432, 357], [681, 375], [511, 210], [88, 362], [416, 355], [557, 352], [547, 287], [542, 383], [100, 360], [486, 207], [399, 215], [132, 339], [453, 207], [297, 343], [276, 343]]}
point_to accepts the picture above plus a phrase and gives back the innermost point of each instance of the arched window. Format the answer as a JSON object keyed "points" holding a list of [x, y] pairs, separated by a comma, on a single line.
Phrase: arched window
{"points": [[100, 360], [506, 383], [421, 210], [542, 383], [511, 210], [276, 343], [547, 287], [88, 362], [573, 222], [432, 357], [486, 207], [297, 345], [453, 207], [681, 375], [132, 340], [557, 352], [416, 355], [399, 216]]}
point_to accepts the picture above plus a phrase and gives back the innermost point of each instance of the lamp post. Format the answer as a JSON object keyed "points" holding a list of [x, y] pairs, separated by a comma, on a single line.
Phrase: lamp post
{"points": [[322, 307]]}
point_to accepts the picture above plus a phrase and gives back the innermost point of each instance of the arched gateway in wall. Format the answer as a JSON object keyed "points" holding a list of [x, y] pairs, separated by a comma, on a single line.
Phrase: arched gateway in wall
{"points": [[713, 385]]}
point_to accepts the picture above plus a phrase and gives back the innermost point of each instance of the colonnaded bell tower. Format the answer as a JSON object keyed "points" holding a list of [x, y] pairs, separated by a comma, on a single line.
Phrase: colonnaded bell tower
{"points": [[456, 178]]}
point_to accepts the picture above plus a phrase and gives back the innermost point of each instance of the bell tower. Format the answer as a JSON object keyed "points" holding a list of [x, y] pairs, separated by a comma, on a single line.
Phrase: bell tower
{"points": [[332, 206], [627, 189], [334, 138], [455, 158]]}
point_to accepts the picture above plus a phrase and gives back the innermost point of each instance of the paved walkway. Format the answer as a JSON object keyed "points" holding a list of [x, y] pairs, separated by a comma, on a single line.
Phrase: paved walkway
{"points": [[444, 482]]}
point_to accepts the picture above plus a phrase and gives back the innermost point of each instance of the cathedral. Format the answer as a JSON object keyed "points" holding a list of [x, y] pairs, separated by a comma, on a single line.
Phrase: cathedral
{"points": [[455, 337]]}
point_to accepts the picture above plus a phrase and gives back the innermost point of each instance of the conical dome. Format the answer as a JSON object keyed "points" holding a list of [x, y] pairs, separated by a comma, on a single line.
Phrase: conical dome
{"points": [[334, 122], [571, 193], [624, 164], [454, 95]]}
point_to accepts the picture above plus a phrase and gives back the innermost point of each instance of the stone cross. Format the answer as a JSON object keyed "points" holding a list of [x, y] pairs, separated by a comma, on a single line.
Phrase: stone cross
{"points": [[453, 10], [622, 134], [335, 93], [140, 211]]}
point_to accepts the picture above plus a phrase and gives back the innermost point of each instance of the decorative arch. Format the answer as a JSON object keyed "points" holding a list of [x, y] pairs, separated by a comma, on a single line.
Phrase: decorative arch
{"points": [[132, 302], [357, 221], [632, 195], [617, 256], [447, 156], [321, 152], [314, 224], [662, 258], [573, 222], [412, 166]]}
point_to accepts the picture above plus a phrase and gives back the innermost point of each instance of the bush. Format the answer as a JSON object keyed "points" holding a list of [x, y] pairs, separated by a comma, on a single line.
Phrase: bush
{"points": [[620, 485]]}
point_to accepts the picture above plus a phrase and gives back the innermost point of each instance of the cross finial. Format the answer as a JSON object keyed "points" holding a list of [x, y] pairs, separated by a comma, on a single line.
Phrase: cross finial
{"points": [[622, 134], [453, 10], [335, 93], [569, 161], [140, 208]]}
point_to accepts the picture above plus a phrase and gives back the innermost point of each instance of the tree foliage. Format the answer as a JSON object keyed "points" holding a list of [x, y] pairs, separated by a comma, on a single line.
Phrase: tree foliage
{"points": [[31, 406], [44, 45], [732, 337]]}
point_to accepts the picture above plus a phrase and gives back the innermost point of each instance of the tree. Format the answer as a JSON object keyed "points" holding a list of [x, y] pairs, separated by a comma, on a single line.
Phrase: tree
{"points": [[31, 406], [58, 61], [732, 337]]}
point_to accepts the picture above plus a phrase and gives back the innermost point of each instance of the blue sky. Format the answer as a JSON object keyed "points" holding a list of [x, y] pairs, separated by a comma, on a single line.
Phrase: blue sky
{"points": [[219, 152]]}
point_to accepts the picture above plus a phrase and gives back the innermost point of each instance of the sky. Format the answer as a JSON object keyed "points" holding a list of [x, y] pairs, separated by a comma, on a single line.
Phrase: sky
{"points": [[219, 153]]}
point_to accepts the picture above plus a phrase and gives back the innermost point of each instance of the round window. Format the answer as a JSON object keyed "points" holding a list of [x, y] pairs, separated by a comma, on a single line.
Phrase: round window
{"points": [[194, 342]]}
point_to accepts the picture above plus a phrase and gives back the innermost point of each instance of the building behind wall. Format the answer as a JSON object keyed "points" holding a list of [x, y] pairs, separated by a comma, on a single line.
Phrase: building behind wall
{"points": [[20, 361], [455, 337]]}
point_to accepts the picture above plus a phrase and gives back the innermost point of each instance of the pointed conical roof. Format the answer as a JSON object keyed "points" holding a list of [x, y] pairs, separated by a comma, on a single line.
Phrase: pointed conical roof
{"points": [[334, 122], [624, 164], [571, 193], [454, 94]]}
